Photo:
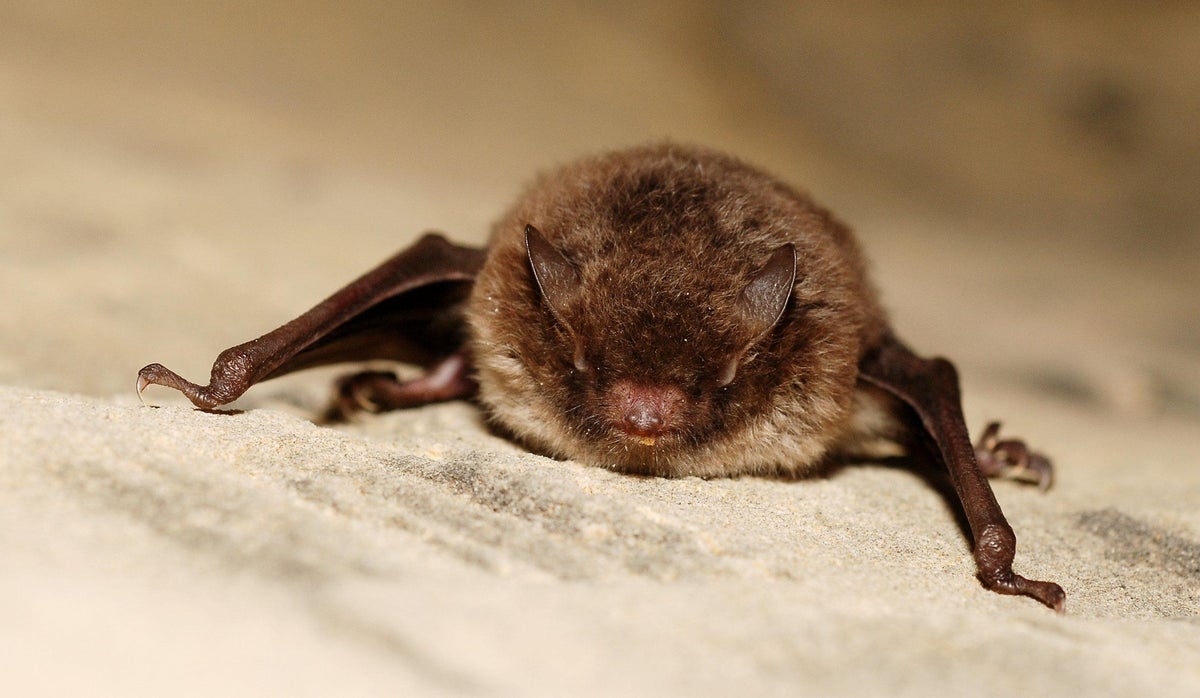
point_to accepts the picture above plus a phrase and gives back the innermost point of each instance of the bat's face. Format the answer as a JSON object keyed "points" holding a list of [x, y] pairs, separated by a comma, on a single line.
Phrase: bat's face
{"points": [[665, 344], [645, 372]]}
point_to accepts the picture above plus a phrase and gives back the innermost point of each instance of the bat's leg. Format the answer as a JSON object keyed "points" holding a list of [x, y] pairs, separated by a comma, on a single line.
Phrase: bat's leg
{"points": [[930, 388], [380, 391], [1012, 459]]}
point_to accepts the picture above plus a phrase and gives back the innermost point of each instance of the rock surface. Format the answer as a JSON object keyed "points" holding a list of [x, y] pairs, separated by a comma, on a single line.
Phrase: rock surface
{"points": [[175, 183]]}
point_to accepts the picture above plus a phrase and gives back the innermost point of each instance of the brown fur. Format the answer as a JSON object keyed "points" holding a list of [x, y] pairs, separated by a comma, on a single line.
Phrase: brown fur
{"points": [[665, 237]]}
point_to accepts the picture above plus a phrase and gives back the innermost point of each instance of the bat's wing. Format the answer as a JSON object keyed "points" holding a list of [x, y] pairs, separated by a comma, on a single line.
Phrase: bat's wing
{"points": [[408, 308], [930, 388]]}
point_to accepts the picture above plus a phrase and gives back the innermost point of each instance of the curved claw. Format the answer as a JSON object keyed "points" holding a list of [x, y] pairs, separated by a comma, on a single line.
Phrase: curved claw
{"points": [[1012, 459], [140, 386], [380, 391], [356, 393]]}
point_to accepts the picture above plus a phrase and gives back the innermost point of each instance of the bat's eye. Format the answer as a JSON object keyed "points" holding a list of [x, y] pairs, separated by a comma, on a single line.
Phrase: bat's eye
{"points": [[728, 371], [580, 358]]}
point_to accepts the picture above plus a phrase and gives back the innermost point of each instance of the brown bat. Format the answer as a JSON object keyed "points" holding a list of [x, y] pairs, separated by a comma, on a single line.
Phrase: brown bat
{"points": [[664, 310]]}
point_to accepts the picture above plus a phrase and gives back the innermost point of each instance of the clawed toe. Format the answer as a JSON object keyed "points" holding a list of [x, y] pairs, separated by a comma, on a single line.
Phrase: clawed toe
{"points": [[357, 393], [1012, 459]]}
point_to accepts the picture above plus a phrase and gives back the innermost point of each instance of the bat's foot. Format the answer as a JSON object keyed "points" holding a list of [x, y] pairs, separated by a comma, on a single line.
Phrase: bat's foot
{"points": [[1012, 459], [360, 392], [382, 391]]}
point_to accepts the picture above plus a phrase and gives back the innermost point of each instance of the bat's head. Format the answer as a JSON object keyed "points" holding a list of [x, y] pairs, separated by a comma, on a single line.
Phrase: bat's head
{"points": [[656, 314]]}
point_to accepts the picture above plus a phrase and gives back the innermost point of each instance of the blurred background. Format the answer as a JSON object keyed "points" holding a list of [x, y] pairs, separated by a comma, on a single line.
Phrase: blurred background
{"points": [[179, 177]]}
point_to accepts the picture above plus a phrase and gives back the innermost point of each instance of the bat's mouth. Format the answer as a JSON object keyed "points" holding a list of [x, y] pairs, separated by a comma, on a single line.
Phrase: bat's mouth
{"points": [[656, 441], [644, 454]]}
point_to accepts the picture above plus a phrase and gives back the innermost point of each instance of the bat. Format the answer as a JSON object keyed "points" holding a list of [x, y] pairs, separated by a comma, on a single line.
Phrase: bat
{"points": [[664, 310]]}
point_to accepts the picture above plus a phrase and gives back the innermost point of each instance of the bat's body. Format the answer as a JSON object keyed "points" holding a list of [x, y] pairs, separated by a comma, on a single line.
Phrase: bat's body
{"points": [[661, 310]]}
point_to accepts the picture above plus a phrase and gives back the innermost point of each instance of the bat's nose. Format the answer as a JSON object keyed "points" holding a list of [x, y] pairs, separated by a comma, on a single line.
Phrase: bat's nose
{"points": [[644, 419], [646, 411]]}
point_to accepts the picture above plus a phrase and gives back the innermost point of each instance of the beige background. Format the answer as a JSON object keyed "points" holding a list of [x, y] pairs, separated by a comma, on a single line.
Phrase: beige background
{"points": [[176, 179]]}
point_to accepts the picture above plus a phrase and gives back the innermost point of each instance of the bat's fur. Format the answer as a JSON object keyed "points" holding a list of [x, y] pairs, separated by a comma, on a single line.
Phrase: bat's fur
{"points": [[665, 238]]}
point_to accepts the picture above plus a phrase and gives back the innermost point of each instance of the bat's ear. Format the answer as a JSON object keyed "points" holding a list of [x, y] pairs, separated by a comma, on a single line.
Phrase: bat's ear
{"points": [[762, 303], [557, 279], [766, 296]]}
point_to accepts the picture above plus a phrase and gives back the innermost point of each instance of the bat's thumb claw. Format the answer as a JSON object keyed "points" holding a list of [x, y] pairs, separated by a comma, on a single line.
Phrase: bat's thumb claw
{"points": [[141, 384], [144, 379]]}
